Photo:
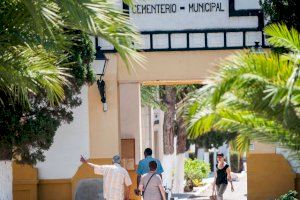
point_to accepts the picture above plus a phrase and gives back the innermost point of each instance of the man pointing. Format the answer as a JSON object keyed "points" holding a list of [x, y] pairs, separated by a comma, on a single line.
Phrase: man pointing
{"points": [[115, 178]]}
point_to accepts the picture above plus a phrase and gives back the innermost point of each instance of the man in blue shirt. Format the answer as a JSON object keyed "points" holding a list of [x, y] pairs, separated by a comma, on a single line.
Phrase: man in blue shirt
{"points": [[143, 167]]}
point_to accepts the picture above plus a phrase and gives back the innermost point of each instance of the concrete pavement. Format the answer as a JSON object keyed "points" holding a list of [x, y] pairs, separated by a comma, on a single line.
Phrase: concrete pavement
{"points": [[240, 192]]}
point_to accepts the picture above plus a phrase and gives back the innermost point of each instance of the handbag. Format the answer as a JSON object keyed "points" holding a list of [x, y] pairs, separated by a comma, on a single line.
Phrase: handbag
{"points": [[213, 196], [143, 192]]}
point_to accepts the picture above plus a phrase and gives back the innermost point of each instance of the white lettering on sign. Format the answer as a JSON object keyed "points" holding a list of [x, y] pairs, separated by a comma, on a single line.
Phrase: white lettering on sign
{"points": [[172, 15]]}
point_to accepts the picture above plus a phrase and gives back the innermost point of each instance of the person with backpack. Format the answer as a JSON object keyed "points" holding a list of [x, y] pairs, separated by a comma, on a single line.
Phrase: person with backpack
{"points": [[151, 184]]}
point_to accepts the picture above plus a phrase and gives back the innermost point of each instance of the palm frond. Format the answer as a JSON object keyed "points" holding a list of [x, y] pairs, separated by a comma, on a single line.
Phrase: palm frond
{"points": [[242, 143], [28, 70], [282, 36]]}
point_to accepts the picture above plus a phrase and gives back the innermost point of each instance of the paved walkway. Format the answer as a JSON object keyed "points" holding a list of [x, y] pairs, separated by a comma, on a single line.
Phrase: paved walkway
{"points": [[240, 192]]}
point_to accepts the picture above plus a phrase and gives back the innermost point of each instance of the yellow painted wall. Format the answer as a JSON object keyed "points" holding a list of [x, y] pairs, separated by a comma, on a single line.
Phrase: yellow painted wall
{"points": [[55, 189], [104, 126], [64, 189], [269, 176], [25, 180], [180, 65], [28, 187]]}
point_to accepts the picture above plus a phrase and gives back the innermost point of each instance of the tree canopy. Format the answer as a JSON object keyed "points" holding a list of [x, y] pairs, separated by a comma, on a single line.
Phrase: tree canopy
{"points": [[45, 58], [282, 11]]}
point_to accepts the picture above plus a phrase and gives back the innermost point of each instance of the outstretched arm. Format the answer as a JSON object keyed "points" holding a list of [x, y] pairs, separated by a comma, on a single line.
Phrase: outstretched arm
{"points": [[99, 168], [83, 160]]}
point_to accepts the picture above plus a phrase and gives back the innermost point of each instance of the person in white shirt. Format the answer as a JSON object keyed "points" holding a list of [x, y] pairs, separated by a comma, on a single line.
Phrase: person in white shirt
{"points": [[115, 179]]}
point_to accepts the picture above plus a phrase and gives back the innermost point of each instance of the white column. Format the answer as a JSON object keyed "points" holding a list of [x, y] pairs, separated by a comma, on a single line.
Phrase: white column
{"points": [[160, 136], [6, 180], [145, 118], [152, 130], [200, 154], [206, 157], [215, 159], [130, 115], [179, 173], [228, 154]]}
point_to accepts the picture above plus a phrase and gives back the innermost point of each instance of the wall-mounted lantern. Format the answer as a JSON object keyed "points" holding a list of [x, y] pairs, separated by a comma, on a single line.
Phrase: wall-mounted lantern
{"points": [[99, 66], [100, 62]]}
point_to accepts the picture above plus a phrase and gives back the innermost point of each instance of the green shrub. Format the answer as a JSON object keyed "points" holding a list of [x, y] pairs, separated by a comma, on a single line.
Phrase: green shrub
{"points": [[195, 170], [291, 195]]}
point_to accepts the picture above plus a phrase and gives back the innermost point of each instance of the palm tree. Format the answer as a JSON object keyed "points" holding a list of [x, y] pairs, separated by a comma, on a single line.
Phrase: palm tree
{"points": [[33, 33], [253, 94], [36, 38]]}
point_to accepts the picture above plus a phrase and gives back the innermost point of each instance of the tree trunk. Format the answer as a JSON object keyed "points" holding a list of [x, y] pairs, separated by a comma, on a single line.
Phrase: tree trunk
{"points": [[169, 117], [196, 150], [179, 173], [6, 180], [181, 136]]}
